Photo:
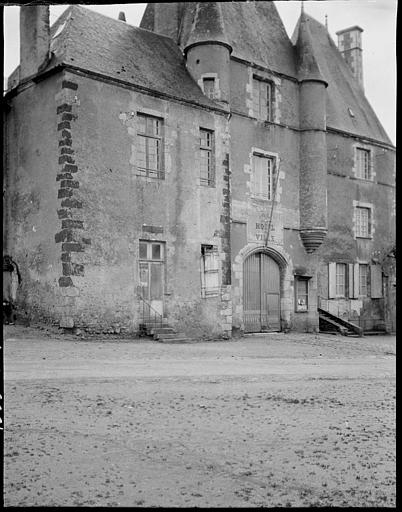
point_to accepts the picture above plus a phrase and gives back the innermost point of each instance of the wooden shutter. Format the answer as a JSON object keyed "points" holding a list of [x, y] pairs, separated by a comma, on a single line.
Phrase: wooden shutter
{"points": [[331, 280], [376, 281]]}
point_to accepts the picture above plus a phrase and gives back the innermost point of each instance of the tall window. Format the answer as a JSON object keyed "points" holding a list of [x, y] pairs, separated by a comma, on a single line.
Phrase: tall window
{"points": [[263, 97], [209, 270], [263, 177], [207, 167], [363, 164], [341, 279], [363, 272], [363, 222], [150, 147], [208, 85], [301, 294]]}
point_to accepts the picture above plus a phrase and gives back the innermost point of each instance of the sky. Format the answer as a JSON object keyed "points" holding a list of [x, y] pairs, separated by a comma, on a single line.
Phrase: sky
{"points": [[377, 18]]}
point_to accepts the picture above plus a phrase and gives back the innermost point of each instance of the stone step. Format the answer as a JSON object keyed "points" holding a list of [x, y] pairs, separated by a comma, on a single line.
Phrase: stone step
{"points": [[176, 340], [375, 333], [169, 336], [162, 330]]}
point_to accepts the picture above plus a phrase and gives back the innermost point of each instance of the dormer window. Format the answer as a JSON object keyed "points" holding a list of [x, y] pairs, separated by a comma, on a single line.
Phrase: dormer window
{"points": [[208, 85], [263, 99]]}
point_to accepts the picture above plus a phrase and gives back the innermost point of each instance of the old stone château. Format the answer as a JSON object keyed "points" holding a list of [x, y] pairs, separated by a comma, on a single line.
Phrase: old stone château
{"points": [[203, 168]]}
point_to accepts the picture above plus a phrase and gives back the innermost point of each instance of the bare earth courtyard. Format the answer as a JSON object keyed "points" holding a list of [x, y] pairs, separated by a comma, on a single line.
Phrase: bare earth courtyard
{"points": [[273, 420]]}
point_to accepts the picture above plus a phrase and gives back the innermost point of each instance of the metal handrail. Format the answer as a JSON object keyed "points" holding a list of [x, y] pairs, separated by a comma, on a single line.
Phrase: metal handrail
{"points": [[152, 314]]}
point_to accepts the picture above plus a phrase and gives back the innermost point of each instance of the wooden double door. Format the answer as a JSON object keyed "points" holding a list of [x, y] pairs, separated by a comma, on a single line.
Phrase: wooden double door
{"points": [[261, 293]]}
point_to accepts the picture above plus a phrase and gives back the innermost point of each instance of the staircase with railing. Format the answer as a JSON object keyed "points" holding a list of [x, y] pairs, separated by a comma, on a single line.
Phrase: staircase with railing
{"points": [[153, 324], [330, 323]]}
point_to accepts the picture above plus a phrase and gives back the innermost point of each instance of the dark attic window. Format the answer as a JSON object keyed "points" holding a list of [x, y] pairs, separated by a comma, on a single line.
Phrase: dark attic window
{"points": [[209, 87]]}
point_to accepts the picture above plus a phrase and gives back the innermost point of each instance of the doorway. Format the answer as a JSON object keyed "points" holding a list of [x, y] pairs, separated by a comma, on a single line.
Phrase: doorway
{"points": [[152, 274], [261, 293]]}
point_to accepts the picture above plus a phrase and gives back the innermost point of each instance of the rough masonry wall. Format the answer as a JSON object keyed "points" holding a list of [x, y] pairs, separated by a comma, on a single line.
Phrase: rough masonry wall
{"points": [[120, 208], [251, 217], [31, 198], [341, 244]]}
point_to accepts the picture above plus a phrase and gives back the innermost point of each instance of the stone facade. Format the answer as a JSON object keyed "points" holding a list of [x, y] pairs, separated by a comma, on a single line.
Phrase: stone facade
{"points": [[80, 212]]}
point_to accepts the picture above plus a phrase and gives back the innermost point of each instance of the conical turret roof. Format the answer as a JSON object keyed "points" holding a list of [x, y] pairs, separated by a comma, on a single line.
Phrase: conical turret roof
{"points": [[208, 26], [307, 64]]}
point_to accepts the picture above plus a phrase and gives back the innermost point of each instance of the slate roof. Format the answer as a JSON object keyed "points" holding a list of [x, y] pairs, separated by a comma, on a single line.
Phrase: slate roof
{"points": [[97, 43], [343, 91], [253, 29], [256, 34], [208, 25], [308, 67], [113, 48]]}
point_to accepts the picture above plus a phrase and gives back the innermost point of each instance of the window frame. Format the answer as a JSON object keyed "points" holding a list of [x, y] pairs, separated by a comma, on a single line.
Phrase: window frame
{"points": [[271, 176], [209, 93], [365, 287], [301, 308], [149, 255], [339, 285], [147, 136], [363, 165], [263, 111], [359, 225], [206, 273], [208, 150], [148, 264]]}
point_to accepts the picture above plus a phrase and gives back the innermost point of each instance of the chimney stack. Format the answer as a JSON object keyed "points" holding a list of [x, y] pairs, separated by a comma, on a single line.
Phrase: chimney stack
{"points": [[350, 46], [122, 16], [34, 39]]}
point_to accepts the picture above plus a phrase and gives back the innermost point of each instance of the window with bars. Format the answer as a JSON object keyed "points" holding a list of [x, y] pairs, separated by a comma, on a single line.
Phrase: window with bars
{"points": [[263, 99], [341, 279], [207, 166], [208, 85], [363, 222], [301, 294], [363, 273], [209, 271], [150, 147], [363, 164], [263, 177]]}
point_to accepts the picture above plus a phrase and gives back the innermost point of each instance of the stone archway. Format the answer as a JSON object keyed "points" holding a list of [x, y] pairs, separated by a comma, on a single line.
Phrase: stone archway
{"points": [[277, 258]]}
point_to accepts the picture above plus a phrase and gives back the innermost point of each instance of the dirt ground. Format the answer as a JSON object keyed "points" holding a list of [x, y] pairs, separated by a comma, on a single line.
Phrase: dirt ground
{"points": [[275, 420]]}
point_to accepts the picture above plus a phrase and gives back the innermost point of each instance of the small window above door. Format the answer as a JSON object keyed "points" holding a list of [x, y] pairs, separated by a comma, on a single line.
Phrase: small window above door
{"points": [[151, 251]]}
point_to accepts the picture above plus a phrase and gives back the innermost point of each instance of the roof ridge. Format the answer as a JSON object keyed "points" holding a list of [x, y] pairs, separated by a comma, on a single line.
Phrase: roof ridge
{"points": [[81, 8]]}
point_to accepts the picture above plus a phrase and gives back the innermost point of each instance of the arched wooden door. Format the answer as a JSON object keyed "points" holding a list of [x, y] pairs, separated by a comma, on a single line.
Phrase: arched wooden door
{"points": [[261, 294]]}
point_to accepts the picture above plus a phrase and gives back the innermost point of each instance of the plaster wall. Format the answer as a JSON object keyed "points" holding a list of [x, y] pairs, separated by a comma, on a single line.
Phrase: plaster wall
{"points": [[119, 207], [251, 216], [341, 245], [30, 198]]}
